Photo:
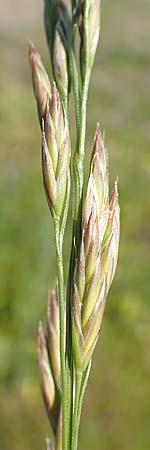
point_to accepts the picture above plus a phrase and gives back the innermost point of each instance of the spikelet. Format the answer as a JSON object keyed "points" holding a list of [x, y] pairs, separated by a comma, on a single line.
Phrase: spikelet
{"points": [[94, 28], [40, 79], [53, 335], [48, 389], [97, 256], [89, 27], [58, 29], [55, 154], [60, 63], [61, 45], [110, 245]]}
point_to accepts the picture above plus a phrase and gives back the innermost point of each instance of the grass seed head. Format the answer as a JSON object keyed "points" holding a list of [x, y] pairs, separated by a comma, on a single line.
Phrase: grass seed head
{"points": [[89, 28], [46, 378], [40, 79], [53, 334], [51, 395], [60, 63], [55, 153], [97, 255], [94, 28]]}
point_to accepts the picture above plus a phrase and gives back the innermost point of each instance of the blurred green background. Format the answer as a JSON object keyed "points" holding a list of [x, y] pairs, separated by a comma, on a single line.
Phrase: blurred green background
{"points": [[117, 404]]}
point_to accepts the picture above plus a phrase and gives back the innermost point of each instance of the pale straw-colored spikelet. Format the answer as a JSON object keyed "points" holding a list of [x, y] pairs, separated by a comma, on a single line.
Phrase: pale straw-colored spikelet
{"points": [[89, 27], [94, 28], [97, 256]]}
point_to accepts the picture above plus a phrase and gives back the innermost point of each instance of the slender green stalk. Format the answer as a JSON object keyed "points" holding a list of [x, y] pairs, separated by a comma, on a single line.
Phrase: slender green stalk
{"points": [[80, 114], [59, 260], [69, 359], [78, 163], [75, 422], [81, 384], [66, 208], [79, 157], [76, 91], [82, 391], [83, 115]]}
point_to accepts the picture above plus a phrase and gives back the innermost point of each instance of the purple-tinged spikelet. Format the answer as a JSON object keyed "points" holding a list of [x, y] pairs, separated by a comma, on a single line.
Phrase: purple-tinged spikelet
{"points": [[55, 154], [46, 378], [40, 79], [53, 339], [48, 388]]}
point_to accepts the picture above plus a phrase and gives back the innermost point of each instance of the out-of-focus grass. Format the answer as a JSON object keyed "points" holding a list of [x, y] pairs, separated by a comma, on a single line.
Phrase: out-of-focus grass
{"points": [[116, 409]]}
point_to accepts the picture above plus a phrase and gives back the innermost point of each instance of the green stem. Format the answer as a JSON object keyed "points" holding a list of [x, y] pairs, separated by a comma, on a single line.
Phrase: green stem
{"points": [[78, 162], [76, 90], [80, 114], [83, 114], [75, 423], [82, 391], [65, 103], [59, 260], [81, 384], [66, 208], [69, 358]]}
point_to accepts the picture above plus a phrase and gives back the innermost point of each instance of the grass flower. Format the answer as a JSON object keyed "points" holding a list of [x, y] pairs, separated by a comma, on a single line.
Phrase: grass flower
{"points": [[77, 301]]}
